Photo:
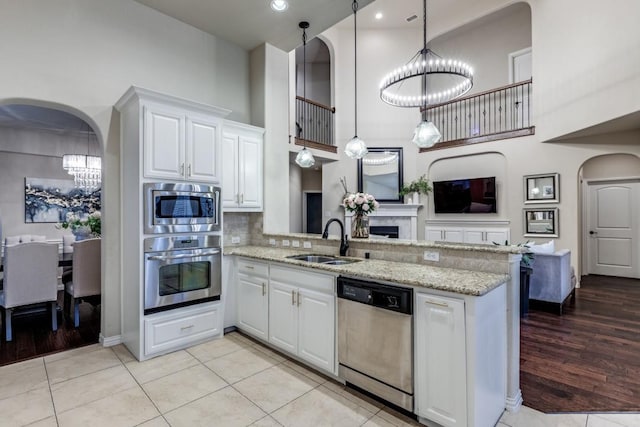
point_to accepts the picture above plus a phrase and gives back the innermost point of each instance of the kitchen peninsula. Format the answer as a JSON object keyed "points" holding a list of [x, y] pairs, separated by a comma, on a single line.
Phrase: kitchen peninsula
{"points": [[465, 319]]}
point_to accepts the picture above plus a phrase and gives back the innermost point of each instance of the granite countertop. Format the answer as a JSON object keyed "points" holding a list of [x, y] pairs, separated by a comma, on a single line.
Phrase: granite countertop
{"points": [[419, 275]]}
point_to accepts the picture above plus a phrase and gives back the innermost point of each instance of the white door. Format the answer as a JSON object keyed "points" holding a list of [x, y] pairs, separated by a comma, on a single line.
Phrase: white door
{"points": [[230, 194], [163, 143], [440, 364], [250, 172], [202, 150], [252, 306], [283, 316], [316, 312], [614, 232]]}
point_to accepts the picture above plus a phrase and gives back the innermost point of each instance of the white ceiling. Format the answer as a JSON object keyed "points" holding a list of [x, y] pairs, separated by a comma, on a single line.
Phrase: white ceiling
{"points": [[42, 119]]}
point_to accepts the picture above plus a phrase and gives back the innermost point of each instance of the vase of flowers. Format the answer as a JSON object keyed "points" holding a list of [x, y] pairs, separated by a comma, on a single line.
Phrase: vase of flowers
{"points": [[83, 227], [361, 204]]}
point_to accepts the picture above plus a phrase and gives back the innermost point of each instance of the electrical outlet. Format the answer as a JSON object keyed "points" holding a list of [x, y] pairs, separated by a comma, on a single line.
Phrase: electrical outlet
{"points": [[285, 243], [235, 239], [295, 244], [431, 256], [306, 245], [272, 242]]}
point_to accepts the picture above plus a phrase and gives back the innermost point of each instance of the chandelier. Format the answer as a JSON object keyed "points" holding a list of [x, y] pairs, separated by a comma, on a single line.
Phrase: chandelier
{"points": [[441, 80], [386, 159], [86, 169]]}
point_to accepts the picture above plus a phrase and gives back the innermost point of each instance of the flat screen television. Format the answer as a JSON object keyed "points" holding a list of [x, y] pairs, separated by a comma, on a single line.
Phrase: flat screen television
{"points": [[473, 195]]}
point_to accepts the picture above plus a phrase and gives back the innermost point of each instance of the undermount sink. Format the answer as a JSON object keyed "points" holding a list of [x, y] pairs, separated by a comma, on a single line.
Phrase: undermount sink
{"points": [[322, 259]]}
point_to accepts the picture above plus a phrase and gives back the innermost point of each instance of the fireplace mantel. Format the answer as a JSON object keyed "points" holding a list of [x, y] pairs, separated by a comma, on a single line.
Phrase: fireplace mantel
{"points": [[404, 216]]}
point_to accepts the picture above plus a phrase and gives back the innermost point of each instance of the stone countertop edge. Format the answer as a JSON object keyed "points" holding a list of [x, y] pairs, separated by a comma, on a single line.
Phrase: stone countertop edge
{"points": [[419, 275], [501, 249]]}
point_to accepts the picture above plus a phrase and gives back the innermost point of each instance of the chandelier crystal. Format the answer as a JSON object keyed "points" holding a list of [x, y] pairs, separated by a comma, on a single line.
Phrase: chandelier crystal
{"points": [[85, 169]]}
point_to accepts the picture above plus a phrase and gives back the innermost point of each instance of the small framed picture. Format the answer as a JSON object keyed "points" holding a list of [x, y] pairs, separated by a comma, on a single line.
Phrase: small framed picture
{"points": [[543, 188], [541, 222]]}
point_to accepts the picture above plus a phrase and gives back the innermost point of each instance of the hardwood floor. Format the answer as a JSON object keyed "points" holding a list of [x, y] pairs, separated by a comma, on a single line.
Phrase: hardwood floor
{"points": [[33, 337], [588, 359]]}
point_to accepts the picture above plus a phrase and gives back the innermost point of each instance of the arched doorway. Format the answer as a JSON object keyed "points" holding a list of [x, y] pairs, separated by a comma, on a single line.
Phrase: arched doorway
{"points": [[38, 192], [610, 217]]}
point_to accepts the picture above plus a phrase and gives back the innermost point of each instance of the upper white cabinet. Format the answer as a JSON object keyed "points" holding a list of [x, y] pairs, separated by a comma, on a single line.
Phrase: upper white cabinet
{"points": [[242, 182], [180, 144]]}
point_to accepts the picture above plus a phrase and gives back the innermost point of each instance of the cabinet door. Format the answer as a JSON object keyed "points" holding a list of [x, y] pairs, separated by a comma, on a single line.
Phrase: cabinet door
{"points": [[453, 235], [253, 305], [163, 142], [316, 335], [474, 235], [230, 193], [433, 234], [440, 365], [283, 313], [250, 171], [499, 235], [202, 150]]}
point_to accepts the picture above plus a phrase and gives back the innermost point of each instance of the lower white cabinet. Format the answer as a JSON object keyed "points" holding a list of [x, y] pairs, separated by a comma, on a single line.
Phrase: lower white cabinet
{"points": [[460, 358], [171, 330], [302, 314], [480, 235], [444, 234], [252, 298], [440, 365]]}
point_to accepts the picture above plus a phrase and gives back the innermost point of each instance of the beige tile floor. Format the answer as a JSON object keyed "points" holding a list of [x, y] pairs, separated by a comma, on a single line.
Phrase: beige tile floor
{"points": [[232, 381]]}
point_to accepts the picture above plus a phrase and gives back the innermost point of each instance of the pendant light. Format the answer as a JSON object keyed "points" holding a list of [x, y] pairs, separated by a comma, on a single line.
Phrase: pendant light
{"points": [[355, 148], [426, 65], [86, 169], [304, 159]]}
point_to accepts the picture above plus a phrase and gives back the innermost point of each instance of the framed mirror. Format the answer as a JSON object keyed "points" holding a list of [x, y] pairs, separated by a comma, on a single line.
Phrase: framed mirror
{"points": [[541, 222], [543, 188], [380, 174]]}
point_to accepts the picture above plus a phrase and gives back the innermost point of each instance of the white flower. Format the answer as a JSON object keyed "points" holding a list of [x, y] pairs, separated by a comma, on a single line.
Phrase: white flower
{"points": [[365, 207], [370, 197], [95, 214]]}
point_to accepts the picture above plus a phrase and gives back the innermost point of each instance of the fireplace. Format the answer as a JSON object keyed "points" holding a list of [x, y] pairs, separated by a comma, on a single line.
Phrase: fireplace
{"points": [[390, 231], [403, 218]]}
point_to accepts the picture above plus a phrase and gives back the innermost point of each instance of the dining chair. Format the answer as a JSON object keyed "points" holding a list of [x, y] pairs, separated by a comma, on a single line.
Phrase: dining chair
{"points": [[30, 277], [24, 238], [85, 284]]}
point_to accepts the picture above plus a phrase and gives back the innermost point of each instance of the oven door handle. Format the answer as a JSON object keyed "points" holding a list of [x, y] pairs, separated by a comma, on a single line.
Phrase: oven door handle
{"points": [[167, 257]]}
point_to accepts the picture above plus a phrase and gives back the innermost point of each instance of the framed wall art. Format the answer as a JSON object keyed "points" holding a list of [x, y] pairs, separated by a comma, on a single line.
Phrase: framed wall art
{"points": [[49, 200], [541, 222], [543, 188]]}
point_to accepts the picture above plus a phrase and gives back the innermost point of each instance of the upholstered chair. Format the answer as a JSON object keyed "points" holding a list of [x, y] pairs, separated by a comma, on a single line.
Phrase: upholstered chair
{"points": [[30, 277], [86, 280], [23, 238]]}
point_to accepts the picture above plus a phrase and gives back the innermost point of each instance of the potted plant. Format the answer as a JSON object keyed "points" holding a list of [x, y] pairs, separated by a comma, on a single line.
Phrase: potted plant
{"points": [[417, 187], [83, 227]]}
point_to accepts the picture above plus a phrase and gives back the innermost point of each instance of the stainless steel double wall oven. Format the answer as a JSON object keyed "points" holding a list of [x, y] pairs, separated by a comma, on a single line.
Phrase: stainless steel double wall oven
{"points": [[184, 265]]}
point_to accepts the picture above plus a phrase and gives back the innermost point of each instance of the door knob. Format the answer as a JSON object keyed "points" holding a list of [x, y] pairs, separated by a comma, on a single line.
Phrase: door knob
{"points": [[593, 232]]}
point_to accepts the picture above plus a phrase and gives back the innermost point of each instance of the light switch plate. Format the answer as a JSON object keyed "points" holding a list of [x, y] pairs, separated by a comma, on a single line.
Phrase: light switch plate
{"points": [[431, 256], [285, 243], [272, 242], [295, 244], [235, 239], [307, 245]]}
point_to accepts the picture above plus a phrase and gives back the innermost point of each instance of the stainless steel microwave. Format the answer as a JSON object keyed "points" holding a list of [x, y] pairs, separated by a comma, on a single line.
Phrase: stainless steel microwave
{"points": [[181, 208]]}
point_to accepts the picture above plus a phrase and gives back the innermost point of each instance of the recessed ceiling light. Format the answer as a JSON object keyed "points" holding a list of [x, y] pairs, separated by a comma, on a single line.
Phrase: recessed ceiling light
{"points": [[279, 5], [379, 15]]}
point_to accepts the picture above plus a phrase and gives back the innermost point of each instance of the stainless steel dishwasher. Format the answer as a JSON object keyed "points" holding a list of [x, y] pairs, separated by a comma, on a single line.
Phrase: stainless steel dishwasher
{"points": [[375, 339]]}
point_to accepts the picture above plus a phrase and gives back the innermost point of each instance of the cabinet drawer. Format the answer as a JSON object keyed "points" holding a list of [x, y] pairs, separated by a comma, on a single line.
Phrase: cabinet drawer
{"points": [[177, 328], [253, 268], [303, 278]]}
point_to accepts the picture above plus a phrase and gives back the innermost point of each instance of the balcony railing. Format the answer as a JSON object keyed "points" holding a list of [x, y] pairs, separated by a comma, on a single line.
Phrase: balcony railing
{"points": [[314, 123], [499, 113]]}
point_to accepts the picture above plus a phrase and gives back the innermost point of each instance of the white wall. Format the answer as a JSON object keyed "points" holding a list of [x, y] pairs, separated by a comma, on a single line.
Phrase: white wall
{"points": [[612, 166], [295, 198], [82, 55], [34, 154]]}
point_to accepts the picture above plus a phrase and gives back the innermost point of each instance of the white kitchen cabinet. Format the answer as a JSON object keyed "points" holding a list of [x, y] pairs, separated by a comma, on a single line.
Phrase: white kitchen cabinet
{"points": [[242, 180], [467, 234], [252, 298], [179, 144], [302, 315], [440, 365], [460, 358], [444, 234]]}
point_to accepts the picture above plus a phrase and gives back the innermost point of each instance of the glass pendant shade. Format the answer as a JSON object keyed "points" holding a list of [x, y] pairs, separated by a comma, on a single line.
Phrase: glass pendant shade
{"points": [[426, 134], [305, 159], [356, 148]]}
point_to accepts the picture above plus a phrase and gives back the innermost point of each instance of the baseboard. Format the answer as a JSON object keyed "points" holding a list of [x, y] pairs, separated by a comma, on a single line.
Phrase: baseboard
{"points": [[110, 341], [229, 329], [513, 404]]}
